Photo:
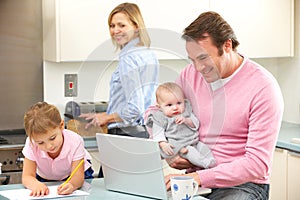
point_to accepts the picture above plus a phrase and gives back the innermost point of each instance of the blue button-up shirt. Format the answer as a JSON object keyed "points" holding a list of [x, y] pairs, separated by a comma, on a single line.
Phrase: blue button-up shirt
{"points": [[133, 84]]}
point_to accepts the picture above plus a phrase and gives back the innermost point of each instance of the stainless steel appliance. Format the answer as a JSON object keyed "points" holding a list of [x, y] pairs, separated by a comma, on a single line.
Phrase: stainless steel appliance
{"points": [[11, 157], [73, 109], [21, 82]]}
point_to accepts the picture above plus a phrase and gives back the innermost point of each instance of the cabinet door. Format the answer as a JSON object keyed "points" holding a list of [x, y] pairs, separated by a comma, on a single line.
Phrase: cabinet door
{"points": [[263, 27], [293, 176], [278, 175], [84, 27], [170, 14], [74, 29], [166, 21]]}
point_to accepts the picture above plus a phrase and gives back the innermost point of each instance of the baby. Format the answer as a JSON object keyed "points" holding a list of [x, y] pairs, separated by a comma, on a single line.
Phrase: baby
{"points": [[175, 127]]}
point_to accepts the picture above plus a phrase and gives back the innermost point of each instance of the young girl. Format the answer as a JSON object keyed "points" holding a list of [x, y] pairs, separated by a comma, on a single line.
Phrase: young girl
{"points": [[52, 152]]}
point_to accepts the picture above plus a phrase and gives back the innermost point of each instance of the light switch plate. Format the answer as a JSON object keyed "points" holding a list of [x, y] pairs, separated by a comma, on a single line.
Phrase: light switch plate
{"points": [[71, 85]]}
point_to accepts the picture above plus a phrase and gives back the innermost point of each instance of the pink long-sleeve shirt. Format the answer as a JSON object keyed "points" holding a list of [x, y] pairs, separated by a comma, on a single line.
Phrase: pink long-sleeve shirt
{"points": [[239, 122]]}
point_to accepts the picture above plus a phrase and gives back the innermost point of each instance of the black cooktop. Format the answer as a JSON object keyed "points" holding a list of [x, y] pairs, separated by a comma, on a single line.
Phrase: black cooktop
{"points": [[8, 137], [3, 140]]}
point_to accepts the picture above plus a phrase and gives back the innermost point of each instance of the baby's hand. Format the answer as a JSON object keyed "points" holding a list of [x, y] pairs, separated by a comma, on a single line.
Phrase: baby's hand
{"points": [[180, 119], [167, 148], [67, 188], [40, 190]]}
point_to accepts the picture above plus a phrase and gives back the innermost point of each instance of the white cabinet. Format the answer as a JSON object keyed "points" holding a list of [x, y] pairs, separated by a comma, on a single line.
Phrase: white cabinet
{"points": [[278, 186], [293, 183], [265, 28], [73, 30], [285, 177], [171, 15], [166, 20], [260, 29]]}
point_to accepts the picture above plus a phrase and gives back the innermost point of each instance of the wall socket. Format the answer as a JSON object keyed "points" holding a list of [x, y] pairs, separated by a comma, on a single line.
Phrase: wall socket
{"points": [[71, 82]]}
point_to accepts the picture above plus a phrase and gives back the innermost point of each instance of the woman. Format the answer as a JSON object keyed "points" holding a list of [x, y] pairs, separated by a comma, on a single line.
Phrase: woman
{"points": [[133, 83]]}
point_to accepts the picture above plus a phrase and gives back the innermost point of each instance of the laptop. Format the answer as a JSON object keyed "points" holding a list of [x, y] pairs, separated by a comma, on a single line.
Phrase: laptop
{"points": [[133, 165]]}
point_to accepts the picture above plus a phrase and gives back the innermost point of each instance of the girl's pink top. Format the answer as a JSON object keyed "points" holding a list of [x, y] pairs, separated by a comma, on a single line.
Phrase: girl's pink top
{"points": [[60, 167]]}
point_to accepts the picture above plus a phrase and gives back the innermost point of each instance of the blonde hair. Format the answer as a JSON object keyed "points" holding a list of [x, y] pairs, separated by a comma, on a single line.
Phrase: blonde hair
{"points": [[40, 118], [133, 12], [169, 87]]}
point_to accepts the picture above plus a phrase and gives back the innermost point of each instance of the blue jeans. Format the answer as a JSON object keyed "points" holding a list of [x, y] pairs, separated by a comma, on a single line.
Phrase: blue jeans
{"points": [[247, 191]]}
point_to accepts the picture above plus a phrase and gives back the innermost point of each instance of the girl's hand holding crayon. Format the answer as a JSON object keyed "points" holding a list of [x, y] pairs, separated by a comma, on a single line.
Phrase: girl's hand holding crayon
{"points": [[65, 188]]}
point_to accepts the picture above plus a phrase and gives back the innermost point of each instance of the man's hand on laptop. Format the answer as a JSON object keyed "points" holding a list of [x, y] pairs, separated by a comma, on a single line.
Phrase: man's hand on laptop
{"points": [[168, 177]]}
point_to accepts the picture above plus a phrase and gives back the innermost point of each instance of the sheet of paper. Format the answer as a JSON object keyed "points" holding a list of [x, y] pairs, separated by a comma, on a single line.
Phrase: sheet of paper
{"points": [[23, 194]]}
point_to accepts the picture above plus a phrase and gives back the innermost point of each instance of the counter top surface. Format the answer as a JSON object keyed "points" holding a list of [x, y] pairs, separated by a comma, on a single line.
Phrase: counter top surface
{"points": [[287, 135], [287, 132], [90, 143], [95, 188]]}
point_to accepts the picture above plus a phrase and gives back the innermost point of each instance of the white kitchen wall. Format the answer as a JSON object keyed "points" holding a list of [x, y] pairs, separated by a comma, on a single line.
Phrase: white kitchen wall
{"points": [[94, 77], [54, 82]]}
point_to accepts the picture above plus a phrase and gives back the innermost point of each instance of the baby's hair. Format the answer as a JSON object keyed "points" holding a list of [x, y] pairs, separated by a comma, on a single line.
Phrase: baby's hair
{"points": [[40, 118], [169, 87]]}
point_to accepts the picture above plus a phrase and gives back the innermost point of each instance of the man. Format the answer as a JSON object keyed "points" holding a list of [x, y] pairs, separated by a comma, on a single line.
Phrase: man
{"points": [[239, 105]]}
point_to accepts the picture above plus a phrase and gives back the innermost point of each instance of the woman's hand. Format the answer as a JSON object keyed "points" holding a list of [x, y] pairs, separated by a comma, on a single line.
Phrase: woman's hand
{"points": [[168, 178], [95, 119], [100, 119], [67, 188], [39, 190]]}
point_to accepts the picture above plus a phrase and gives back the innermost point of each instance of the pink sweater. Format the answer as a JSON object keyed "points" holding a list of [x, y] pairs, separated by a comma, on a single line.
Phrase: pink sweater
{"points": [[239, 122]]}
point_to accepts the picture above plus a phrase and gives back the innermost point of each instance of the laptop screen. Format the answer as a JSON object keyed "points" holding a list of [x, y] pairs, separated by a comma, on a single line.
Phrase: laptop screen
{"points": [[131, 165]]}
